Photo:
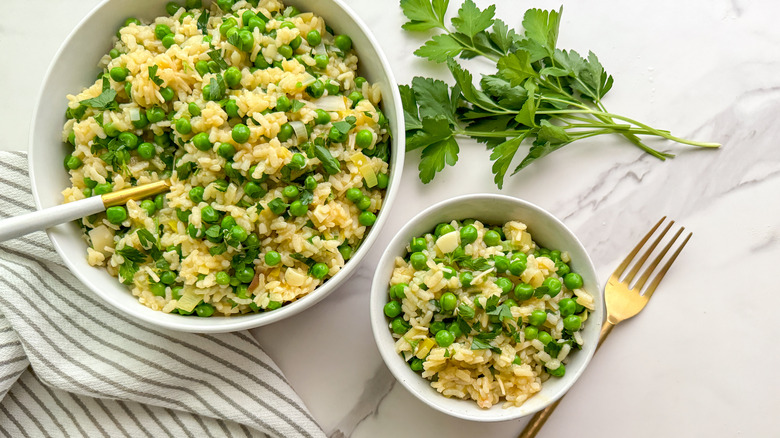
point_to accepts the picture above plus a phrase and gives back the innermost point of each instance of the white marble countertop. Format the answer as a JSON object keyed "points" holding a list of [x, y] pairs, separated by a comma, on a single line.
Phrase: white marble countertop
{"points": [[699, 361]]}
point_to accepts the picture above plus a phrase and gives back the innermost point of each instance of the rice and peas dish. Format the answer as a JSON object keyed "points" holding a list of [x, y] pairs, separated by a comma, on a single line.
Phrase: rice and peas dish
{"points": [[485, 313], [276, 151]]}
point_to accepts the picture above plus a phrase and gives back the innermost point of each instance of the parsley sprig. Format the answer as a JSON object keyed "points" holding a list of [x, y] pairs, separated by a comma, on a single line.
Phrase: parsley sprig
{"points": [[539, 93]]}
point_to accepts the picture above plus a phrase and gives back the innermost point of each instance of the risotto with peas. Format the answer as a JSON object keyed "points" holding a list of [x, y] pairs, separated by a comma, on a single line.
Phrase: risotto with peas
{"points": [[276, 151], [484, 313]]}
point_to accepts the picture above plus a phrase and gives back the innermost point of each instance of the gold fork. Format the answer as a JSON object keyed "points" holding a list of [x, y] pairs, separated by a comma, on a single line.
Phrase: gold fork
{"points": [[624, 301]]}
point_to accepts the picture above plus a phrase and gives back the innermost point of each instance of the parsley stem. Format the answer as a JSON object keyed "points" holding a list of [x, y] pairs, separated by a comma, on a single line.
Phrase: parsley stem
{"points": [[652, 130]]}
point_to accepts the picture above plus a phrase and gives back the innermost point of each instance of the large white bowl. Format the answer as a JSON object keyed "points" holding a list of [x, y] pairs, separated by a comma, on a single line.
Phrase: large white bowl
{"points": [[492, 209], [75, 66]]}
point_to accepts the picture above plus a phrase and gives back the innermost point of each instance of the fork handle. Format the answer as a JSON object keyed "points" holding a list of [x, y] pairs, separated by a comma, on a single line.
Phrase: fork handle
{"points": [[537, 421]]}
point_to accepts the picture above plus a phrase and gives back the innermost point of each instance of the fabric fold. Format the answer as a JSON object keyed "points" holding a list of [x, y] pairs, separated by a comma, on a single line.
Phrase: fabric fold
{"points": [[95, 371]]}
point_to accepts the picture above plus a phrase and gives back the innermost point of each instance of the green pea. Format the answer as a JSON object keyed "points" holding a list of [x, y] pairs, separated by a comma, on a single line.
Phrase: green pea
{"points": [[260, 61], [183, 126], [572, 323], [159, 201], [558, 372], [316, 89], [232, 76], [200, 140], [283, 104], [501, 264], [345, 251], [531, 332], [444, 338], [364, 203], [119, 74], [298, 161], [110, 129], [343, 42], [399, 326], [290, 192], [238, 233], [296, 43], [116, 214], [354, 195], [492, 238], [171, 8], [209, 214], [286, 132], [310, 183], [227, 222], [114, 53], [465, 311], [355, 97], [167, 42], [202, 67], [544, 337], [314, 38], [226, 151], [155, 114], [272, 258], [204, 310], [510, 303], [168, 277], [245, 275], [298, 208], [562, 269], [454, 328], [157, 289], [419, 261], [73, 162], [572, 280], [148, 206], [240, 133], [382, 180], [359, 81], [161, 30], [253, 190], [398, 291], [196, 194], [336, 136], [567, 306], [167, 94], [103, 188], [286, 51], [448, 301], [222, 278], [435, 327], [418, 243], [367, 218], [466, 278], [319, 270], [256, 23], [537, 317], [392, 309], [468, 234], [364, 138], [89, 182], [226, 5], [517, 267], [553, 286], [416, 365], [142, 121], [193, 4], [504, 284], [321, 61], [523, 291], [277, 206]]}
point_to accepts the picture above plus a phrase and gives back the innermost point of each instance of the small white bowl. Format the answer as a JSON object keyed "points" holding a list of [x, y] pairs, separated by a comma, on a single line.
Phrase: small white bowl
{"points": [[75, 66], [546, 230]]}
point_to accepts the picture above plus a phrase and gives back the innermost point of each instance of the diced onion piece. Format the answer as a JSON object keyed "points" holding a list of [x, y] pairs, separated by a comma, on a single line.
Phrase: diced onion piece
{"points": [[294, 277], [424, 347], [330, 103], [448, 242], [188, 301], [308, 80], [320, 49], [135, 114], [366, 169], [102, 238], [300, 130]]}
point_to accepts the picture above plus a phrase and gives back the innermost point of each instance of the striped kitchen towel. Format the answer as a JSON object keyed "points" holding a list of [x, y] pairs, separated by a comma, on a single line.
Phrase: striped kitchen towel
{"points": [[70, 365]]}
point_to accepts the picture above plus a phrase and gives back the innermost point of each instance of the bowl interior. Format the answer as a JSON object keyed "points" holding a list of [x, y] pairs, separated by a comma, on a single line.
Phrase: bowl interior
{"points": [[492, 209], [75, 66]]}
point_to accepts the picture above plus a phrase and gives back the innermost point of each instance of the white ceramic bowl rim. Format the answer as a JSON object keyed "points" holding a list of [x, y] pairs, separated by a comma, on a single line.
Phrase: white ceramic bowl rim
{"points": [[419, 387], [59, 235]]}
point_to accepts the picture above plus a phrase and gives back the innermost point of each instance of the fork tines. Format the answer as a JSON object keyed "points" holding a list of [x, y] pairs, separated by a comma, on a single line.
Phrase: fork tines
{"points": [[655, 265]]}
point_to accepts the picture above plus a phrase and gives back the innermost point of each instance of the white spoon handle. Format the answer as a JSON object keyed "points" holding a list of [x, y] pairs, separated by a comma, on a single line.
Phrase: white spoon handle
{"points": [[40, 220]]}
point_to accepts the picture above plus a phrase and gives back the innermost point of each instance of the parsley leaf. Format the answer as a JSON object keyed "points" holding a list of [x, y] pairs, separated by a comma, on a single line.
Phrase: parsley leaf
{"points": [[297, 105], [131, 254], [433, 98], [216, 56], [146, 238], [330, 164], [153, 75], [435, 156], [203, 21], [502, 312], [440, 48], [105, 101], [471, 21], [423, 14], [478, 264]]}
